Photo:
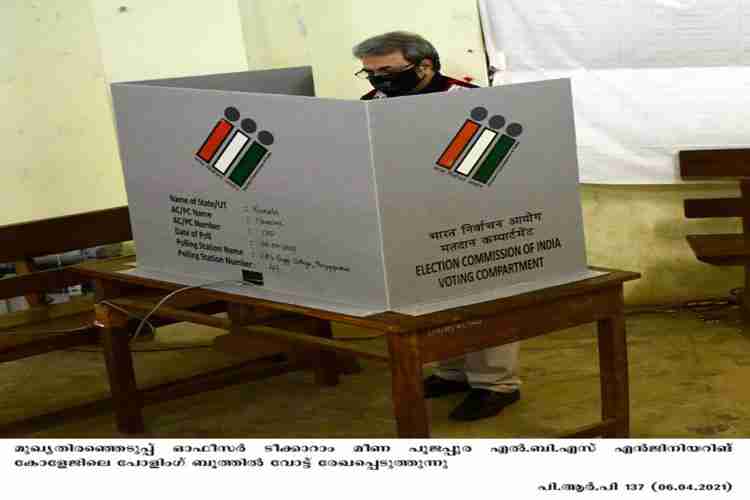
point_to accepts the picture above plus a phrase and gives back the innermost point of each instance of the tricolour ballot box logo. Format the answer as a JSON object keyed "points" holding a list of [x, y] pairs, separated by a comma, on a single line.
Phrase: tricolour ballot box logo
{"points": [[233, 150], [479, 152]]}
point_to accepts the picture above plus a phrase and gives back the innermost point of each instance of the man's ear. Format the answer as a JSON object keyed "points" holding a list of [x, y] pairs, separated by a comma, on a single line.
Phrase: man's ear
{"points": [[426, 66]]}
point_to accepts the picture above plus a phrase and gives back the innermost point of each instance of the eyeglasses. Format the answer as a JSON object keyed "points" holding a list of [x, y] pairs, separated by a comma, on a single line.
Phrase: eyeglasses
{"points": [[367, 73]]}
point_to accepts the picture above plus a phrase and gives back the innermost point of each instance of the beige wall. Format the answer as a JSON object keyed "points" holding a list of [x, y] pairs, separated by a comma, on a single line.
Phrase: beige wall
{"points": [[275, 33], [143, 39], [56, 133], [643, 228], [56, 59]]}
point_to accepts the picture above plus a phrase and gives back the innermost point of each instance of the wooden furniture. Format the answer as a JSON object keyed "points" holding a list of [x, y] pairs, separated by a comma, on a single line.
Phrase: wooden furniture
{"points": [[412, 340], [20, 335], [26, 333], [721, 249], [20, 243]]}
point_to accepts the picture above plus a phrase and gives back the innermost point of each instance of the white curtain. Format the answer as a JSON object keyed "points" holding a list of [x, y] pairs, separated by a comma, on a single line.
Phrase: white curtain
{"points": [[649, 77]]}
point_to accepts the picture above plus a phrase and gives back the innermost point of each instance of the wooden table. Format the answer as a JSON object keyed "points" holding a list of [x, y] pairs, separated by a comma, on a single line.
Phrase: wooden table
{"points": [[412, 340]]}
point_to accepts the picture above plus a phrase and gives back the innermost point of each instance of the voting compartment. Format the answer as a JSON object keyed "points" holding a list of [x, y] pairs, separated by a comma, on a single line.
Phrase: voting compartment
{"points": [[249, 182]]}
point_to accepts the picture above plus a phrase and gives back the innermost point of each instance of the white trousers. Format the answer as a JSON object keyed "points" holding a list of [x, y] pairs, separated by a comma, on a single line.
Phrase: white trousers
{"points": [[495, 369]]}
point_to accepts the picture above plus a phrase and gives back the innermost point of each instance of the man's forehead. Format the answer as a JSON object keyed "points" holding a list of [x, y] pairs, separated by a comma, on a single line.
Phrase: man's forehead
{"points": [[395, 58]]}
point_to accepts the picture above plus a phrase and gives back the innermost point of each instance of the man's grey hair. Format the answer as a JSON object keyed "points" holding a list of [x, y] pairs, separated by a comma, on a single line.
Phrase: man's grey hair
{"points": [[412, 46]]}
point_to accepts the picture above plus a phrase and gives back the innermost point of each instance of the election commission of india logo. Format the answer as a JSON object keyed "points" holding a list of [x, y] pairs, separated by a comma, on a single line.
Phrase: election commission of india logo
{"points": [[479, 152], [234, 151]]}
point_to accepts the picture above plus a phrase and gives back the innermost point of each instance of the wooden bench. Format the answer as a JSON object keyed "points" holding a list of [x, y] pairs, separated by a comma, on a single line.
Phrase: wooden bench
{"points": [[721, 249], [26, 333], [19, 244]]}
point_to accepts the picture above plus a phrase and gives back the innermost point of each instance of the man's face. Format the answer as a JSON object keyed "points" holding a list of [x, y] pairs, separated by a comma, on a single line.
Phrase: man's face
{"points": [[393, 75], [387, 63]]}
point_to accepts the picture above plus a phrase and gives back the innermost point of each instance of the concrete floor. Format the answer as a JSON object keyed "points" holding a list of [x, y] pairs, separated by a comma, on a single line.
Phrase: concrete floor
{"points": [[688, 379]]}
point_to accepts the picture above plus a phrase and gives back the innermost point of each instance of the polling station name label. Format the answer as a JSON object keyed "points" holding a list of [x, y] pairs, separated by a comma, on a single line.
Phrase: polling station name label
{"points": [[251, 236], [197, 227]]}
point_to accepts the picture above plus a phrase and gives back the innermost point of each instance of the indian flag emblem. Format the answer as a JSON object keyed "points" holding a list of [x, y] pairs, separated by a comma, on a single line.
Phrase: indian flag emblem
{"points": [[479, 152], [232, 152]]}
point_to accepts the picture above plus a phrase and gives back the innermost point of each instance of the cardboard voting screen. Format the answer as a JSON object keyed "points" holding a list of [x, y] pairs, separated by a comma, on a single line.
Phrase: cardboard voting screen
{"points": [[412, 204]]}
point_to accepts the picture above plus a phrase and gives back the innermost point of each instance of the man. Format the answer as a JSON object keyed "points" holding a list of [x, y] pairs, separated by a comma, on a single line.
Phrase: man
{"points": [[398, 64], [401, 63]]}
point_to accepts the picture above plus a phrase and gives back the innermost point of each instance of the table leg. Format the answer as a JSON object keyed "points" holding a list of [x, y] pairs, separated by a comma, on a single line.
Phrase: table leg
{"points": [[326, 364], [126, 399], [409, 405], [241, 315], [613, 372]]}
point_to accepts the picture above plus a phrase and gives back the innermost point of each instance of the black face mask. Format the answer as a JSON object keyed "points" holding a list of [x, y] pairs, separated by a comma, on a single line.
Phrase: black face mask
{"points": [[394, 85]]}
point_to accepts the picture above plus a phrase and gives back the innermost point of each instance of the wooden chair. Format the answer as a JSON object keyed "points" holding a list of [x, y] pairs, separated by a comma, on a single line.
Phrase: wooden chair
{"points": [[721, 249]]}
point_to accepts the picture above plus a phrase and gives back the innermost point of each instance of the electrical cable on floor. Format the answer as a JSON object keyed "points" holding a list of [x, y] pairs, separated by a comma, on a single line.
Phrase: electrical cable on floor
{"points": [[175, 292], [123, 310], [702, 308], [144, 320], [693, 305]]}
